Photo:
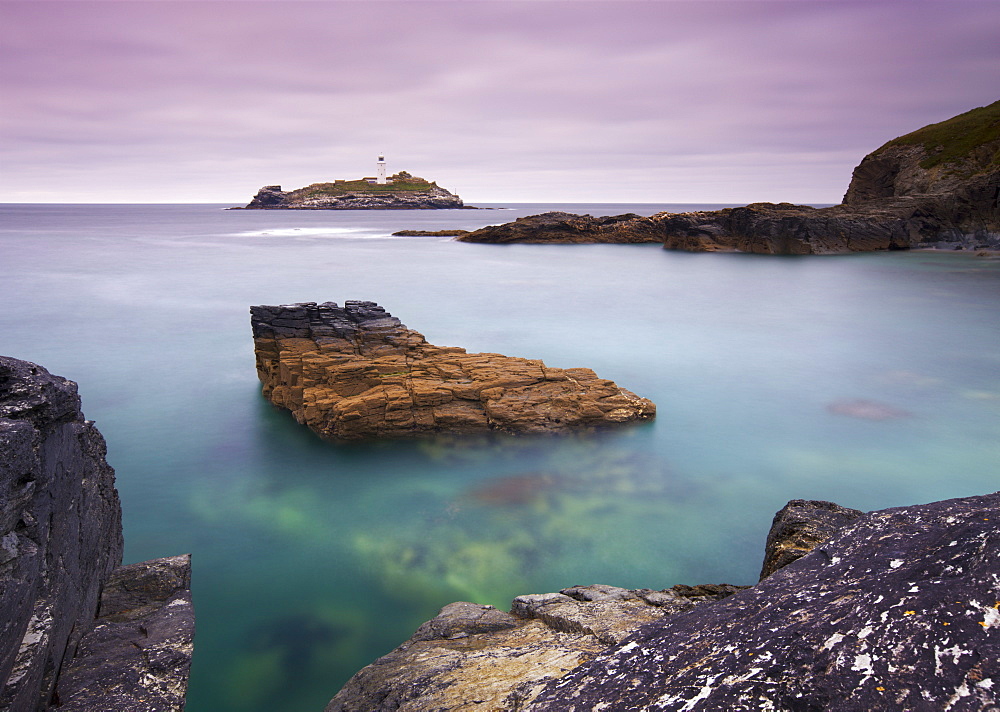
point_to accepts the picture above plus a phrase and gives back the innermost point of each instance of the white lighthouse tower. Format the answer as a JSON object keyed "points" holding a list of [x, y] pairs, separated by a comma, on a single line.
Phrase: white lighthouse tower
{"points": [[380, 178]]}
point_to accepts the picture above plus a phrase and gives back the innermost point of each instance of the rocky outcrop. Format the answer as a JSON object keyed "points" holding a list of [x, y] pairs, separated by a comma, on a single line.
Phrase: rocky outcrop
{"points": [[473, 657], [895, 609], [60, 545], [938, 187], [799, 527], [356, 372], [406, 193], [567, 228], [138, 655]]}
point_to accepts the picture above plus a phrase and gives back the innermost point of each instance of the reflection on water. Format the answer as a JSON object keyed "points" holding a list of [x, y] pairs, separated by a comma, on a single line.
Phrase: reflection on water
{"points": [[311, 558]]}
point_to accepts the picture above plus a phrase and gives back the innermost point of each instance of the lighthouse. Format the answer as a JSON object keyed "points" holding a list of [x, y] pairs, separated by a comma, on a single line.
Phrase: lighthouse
{"points": [[380, 171]]}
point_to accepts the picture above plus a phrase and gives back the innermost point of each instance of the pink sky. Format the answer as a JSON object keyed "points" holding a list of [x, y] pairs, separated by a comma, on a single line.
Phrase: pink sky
{"points": [[533, 101]]}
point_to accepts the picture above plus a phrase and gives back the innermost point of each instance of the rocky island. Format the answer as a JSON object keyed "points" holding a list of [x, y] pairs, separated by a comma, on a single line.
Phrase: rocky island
{"points": [[897, 609], [79, 632], [937, 187], [356, 372], [401, 191]]}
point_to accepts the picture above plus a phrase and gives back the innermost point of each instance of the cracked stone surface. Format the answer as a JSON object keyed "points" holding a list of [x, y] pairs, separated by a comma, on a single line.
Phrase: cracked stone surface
{"points": [[138, 656], [60, 524], [356, 372]]}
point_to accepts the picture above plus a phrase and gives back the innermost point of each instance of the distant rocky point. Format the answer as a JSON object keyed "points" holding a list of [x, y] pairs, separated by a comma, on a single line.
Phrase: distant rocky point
{"points": [[356, 372], [938, 187], [401, 191]]}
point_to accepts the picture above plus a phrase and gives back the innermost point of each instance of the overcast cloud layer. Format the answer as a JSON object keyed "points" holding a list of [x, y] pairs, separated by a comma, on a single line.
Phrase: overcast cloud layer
{"points": [[499, 101]]}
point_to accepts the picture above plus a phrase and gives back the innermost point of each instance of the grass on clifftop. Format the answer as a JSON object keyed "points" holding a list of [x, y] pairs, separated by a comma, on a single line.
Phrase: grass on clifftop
{"points": [[403, 184], [953, 140]]}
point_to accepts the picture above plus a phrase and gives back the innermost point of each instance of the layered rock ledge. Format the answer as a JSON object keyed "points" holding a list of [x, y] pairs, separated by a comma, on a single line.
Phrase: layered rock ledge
{"points": [[937, 187], [67, 639], [356, 372], [897, 609]]}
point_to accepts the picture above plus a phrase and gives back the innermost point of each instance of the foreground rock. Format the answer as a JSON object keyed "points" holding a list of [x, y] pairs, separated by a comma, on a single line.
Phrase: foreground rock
{"points": [[404, 192], [60, 545], [938, 187], [473, 657], [898, 609], [356, 372]]}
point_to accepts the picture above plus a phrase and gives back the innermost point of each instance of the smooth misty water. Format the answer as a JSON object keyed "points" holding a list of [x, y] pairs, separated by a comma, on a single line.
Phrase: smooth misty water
{"points": [[311, 559]]}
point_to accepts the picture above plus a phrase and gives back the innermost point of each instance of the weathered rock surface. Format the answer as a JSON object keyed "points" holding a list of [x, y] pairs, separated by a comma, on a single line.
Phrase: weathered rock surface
{"points": [[356, 372], [60, 534], [473, 657], [567, 228], [138, 655], [406, 193], [799, 527], [897, 609], [938, 187]]}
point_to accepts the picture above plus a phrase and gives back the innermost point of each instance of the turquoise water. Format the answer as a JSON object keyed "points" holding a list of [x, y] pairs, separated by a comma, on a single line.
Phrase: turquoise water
{"points": [[311, 559]]}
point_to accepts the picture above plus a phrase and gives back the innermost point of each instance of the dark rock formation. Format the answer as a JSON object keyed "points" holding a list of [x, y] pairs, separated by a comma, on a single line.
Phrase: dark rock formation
{"points": [[938, 187], [430, 233], [356, 372], [139, 654], [897, 609], [405, 193], [799, 527], [566, 228], [60, 538]]}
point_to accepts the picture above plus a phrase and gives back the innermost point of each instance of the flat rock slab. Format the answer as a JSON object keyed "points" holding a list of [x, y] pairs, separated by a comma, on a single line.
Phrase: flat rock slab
{"points": [[356, 372]]}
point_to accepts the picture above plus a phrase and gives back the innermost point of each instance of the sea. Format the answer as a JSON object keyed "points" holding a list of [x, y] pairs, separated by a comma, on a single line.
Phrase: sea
{"points": [[872, 380]]}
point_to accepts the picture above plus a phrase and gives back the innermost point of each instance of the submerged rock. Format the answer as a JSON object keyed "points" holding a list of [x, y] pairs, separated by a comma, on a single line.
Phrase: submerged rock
{"points": [[60, 545], [866, 409], [356, 372], [894, 609]]}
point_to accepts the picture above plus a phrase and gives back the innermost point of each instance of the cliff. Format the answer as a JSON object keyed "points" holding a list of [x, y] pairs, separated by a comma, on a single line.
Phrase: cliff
{"points": [[894, 609], [356, 372], [405, 192], [79, 631], [936, 187]]}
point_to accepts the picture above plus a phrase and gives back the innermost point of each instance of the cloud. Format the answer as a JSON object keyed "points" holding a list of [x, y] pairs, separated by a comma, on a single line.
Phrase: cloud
{"points": [[659, 101]]}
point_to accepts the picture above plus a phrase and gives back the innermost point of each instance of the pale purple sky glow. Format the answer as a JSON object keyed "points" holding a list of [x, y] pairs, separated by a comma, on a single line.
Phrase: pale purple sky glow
{"points": [[610, 101]]}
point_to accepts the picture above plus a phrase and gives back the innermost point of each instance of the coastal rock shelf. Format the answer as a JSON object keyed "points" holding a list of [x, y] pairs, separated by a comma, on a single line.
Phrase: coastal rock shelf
{"points": [[78, 632], [937, 187], [356, 372], [891, 610]]}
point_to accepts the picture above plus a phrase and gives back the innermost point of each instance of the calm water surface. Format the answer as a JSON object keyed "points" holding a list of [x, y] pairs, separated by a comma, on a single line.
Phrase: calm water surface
{"points": [[311, 559]]}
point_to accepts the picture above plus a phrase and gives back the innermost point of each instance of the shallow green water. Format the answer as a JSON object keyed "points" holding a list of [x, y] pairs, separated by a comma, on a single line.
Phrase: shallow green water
{"points": [[311, 559]]}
